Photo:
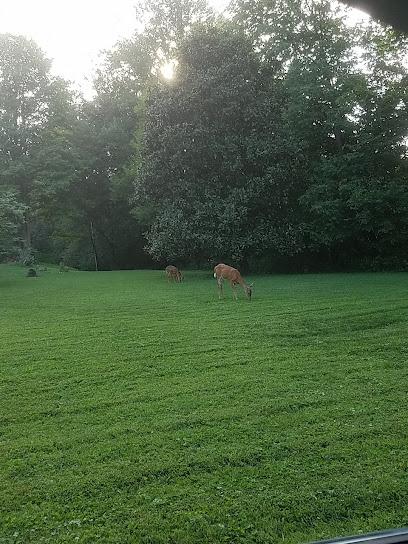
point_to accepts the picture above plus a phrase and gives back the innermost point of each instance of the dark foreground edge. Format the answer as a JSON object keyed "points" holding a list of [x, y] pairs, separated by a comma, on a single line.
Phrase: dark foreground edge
{"points": [[395, 536], [392, 12]]}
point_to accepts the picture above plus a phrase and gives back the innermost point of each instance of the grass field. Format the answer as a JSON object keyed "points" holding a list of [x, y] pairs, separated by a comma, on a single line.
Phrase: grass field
{"points": [[133, 410]]}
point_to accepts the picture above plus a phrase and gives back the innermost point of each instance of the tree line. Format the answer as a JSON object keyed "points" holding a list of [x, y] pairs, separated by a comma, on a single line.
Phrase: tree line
{"points": [[280, 144]]}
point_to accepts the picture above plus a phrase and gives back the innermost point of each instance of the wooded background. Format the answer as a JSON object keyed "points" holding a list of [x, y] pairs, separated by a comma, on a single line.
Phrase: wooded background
{"points": [[280, 144]]}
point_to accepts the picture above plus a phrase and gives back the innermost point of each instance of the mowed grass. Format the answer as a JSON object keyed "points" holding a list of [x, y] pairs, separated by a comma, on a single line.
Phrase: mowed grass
{"points": [[133, 410]]}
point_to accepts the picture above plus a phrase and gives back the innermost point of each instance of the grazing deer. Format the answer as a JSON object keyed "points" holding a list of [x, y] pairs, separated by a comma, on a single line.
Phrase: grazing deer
{"points": [[224, 272], [173, 273]]}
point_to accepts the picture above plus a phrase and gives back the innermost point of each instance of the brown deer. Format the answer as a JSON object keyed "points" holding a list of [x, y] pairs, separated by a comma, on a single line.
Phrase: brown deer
{"points": [[173, 273], [224, 272]]}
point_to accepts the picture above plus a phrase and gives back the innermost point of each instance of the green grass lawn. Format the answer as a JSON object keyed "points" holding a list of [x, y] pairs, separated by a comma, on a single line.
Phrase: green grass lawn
{"points": [[133, 410]]}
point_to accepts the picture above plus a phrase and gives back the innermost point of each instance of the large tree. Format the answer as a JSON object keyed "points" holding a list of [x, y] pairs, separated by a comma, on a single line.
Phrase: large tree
{"points": [[267, 144], [346, 115], [36, 116], [99, 209], [356, 202], [11, 218], [209, 140], [114, 131]]}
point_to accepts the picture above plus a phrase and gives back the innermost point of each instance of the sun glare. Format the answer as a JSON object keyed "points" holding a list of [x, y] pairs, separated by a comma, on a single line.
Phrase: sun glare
{"points": [[167, 70]]}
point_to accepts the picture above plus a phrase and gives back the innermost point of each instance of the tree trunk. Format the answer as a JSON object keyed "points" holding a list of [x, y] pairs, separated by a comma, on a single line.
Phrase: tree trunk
{"points": [[95, 253], [27, 234]]}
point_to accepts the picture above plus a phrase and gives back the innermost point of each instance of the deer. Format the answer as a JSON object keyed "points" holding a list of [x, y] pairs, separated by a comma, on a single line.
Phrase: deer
{"points": [[173, 273], [224, 272]]}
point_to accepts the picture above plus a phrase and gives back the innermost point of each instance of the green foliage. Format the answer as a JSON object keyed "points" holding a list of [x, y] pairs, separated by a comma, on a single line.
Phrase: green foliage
{"points": [[34, 111], [101, 192], [357, 201], [11, 219], [36, 115], [281, 142], [176, 417], [290, 143], [166, 22], [207, 154]]}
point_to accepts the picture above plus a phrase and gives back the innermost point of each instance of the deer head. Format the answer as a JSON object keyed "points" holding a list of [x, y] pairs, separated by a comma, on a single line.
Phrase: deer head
{"points": [[248, 290]]}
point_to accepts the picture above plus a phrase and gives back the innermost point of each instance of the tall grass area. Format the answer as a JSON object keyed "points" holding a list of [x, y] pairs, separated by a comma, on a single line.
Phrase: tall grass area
{"points": [[133, 410]]}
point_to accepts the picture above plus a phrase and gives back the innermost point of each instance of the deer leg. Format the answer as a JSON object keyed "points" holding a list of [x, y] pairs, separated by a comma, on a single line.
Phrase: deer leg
{"points": [[220, 290], [234, 291]]}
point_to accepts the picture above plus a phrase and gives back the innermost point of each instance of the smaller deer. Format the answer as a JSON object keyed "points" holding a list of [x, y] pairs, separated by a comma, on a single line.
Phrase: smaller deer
{"points": [[173, 273], [224, 272]]}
